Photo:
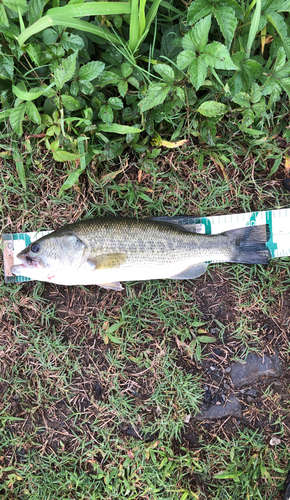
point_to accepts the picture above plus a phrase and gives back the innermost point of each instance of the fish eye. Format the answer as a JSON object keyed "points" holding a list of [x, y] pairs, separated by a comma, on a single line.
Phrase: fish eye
{"points": [[35, 247]]}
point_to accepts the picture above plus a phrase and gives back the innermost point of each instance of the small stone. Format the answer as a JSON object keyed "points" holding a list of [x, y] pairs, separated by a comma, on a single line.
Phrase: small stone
{"points": [[252, 392], [232, 407], [286, 184], [250, 399], [274, 441], [228, 369], [186, 419], [212, 368], [98, 389], [254, 368]]}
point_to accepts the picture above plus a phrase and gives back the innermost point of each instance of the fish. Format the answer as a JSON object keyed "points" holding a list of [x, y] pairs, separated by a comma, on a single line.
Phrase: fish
{"points": [[108, 250]]}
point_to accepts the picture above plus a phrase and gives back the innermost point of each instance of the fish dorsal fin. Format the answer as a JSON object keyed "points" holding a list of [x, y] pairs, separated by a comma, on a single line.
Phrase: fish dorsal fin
{"points": [[115, 285], [107, 261], [191, 272]]}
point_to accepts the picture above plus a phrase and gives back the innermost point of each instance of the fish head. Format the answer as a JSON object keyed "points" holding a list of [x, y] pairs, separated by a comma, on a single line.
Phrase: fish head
{"points": [[51, 258]]}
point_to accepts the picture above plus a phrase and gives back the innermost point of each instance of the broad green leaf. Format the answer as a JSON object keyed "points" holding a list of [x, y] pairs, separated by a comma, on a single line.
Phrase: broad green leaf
{"points": [[280, 60], [34, 51], [123, 87], [155, 95], [87, 88], [32, 112], [60, 155], [256, 93], [165, 71], [253, 69], [6, 68], [16, 118], [35, 9], [115, 103], [108, 78], [185, 58], [17, 157], [72, 41], [49, 36], [227, 22], [118, 129], [248, 117], [234, 5], [126, 69], [133, 81], [279, 24], [199, 34], [16, 5], [197, 72], [74, 88], [171, 41], [70, 103], [65, 71], [188, 41], [285, 84], [53, 130], [3, 17], [106, 114], [270, 84], [212, 108], [90, 71], [197, 10], [217, 55], [31, 96], [242, 99]]}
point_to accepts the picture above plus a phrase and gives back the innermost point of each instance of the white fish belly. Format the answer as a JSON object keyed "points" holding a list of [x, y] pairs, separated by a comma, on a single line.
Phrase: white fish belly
{"points": [[135, 271]]}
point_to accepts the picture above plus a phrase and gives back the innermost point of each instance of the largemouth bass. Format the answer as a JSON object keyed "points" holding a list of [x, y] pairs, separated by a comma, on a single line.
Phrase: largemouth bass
{"points": [[105, 251]]}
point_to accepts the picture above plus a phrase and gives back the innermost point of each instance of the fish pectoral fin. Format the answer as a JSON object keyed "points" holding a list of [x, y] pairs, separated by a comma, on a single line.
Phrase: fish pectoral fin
{"points": [[191, 272], [107, 261], [115, 285]]}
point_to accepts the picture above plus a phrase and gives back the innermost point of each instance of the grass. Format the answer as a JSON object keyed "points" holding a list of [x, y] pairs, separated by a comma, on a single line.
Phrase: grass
{"points": [[99, 389]]}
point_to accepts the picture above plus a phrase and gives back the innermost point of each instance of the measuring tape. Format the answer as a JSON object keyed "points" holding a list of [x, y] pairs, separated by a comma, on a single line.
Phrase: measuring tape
{"points": [[277, 220]]}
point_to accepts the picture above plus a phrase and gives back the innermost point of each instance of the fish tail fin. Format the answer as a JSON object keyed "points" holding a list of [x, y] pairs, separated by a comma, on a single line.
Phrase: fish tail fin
{"points": [[250, 244]]}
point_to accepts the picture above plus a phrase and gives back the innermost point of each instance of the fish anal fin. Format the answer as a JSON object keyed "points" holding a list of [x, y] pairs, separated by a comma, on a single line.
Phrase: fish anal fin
{"points": [[107, 261], [115, 285], [191, 272]]}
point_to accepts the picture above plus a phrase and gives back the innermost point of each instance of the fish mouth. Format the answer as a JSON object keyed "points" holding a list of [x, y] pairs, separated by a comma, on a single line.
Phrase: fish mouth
{"points": [[18, 270], [27, 263]]}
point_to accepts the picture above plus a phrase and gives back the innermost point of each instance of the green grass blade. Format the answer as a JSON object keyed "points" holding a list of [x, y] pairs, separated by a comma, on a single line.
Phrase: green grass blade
{"points": [[48, 21], [5, 114], [152, 13], [253, 28], [142, 20], [134, 26], [92, 9]]}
